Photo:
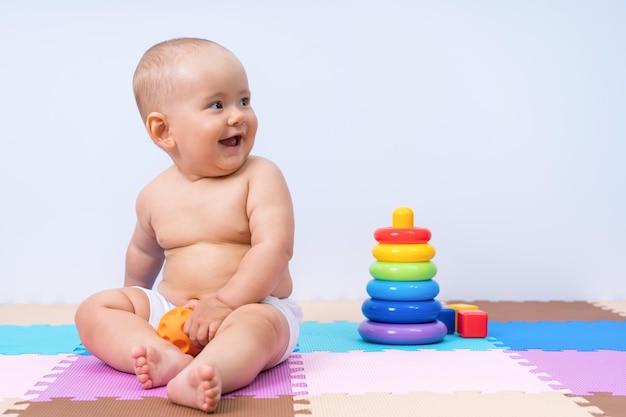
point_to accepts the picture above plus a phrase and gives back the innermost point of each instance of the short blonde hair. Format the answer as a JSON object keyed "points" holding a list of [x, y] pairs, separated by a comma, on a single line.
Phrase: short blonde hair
{"points": [[152, 81]]}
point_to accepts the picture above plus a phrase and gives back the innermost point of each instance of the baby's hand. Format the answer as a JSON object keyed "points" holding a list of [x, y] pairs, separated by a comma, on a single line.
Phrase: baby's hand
{"points": [[207, 317]]}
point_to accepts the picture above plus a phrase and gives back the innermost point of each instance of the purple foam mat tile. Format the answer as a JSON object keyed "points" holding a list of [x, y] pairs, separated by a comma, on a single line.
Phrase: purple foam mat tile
{"points": [[269, 384], [297, 376], [87, 378], [580, 372]]}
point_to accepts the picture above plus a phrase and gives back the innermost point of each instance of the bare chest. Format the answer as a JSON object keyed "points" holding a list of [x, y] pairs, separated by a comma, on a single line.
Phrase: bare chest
{"points": [[207, 212]]}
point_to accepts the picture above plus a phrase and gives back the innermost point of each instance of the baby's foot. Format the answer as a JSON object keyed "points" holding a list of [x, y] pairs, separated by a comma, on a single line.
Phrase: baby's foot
{"points": [[197, 387], [156, 367]]}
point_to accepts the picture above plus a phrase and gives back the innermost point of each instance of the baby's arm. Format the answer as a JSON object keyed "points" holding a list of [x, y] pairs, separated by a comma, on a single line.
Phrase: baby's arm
{"points": [[271, 221], [144, 256], [270, 213]]}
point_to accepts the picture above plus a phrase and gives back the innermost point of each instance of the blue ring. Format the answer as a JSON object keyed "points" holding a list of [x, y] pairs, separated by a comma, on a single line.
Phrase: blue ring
{"points": [[403, 290], [402, 334], [386, 311]]}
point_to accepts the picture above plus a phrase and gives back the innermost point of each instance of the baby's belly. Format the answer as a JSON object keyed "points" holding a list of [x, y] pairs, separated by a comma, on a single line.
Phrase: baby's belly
{"points": [[199, 270]]}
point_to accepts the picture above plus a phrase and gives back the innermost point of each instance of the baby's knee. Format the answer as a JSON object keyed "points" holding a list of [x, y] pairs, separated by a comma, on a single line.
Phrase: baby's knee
{"points": [[106, 299], [124, 299], [263, 315]]}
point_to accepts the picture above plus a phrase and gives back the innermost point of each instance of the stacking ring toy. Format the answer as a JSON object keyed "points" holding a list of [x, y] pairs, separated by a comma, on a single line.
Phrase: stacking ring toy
{"points": [[171, 329], [402, 218], [402, 230], [403, 271], [402, 334], [398, 235], [386, 311], [415, 252], [403, 291]]}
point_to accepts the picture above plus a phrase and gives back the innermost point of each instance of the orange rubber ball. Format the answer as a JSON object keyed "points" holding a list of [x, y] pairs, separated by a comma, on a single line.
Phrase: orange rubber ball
{"points": [[171, 329]]}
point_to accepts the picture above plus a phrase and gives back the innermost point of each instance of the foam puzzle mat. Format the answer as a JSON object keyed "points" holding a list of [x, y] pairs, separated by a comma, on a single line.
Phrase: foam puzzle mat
{"points": [[557, 359]]}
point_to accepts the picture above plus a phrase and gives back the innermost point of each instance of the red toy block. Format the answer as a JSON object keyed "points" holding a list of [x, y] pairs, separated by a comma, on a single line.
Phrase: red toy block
{"points": [[459, 307], [472, 323]]}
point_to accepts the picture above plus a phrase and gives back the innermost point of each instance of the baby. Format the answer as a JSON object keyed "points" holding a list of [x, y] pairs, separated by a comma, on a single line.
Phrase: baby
{"points": [[220, 224]]}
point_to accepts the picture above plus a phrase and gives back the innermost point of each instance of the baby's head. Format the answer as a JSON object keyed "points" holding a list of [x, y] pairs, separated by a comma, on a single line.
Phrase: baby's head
{"points": [[194, 99], [159, 69]]}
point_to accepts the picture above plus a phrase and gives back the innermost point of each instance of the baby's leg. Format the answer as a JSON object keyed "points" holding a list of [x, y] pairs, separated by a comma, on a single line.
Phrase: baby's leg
{"points": [[113, 326], [251, 339]]}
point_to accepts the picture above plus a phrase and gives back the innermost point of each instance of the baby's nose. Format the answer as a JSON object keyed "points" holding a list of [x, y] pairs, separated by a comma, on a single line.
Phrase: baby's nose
{"points": [[235, 117]]}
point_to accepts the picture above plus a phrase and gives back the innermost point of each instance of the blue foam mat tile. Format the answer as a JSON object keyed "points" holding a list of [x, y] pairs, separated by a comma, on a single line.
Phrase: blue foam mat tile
{"points": [[557, 336], [340, 337], [344, 337], [40, 339]]}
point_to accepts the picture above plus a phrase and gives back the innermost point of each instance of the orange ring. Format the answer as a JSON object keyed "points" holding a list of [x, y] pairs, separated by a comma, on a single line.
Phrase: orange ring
{"points": [[402, 235]]}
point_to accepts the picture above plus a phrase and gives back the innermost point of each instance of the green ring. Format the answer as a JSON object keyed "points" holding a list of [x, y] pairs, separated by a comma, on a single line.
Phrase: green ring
{"points": [[403, 271]]}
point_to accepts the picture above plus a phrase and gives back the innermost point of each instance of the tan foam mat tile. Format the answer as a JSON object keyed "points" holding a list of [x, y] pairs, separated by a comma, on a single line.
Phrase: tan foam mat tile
{"points": [[533, 311], [330, 311], [14, 404], [466, 404], [617, 307], [27, 314]]}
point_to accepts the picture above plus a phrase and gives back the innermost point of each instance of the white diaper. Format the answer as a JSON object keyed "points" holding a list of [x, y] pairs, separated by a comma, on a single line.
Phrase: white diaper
{"points": [[293, 313], [159, 305]]}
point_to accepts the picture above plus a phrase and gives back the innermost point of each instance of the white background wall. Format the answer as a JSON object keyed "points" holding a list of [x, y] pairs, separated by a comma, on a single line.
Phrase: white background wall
{"points": [[501, 123]]}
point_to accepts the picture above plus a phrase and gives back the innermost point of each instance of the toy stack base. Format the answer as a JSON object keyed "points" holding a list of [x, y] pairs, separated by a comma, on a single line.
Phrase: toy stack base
{"points": [[403, 334]]}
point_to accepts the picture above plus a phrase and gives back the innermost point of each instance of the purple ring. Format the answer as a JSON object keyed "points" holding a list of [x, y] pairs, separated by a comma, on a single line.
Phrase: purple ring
{"points": [[403, 334]]}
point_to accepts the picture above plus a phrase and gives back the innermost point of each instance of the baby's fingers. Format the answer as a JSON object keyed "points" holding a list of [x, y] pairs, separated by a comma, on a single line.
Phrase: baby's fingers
{"points": [[213, 328], [197, 331], [201, 337]]}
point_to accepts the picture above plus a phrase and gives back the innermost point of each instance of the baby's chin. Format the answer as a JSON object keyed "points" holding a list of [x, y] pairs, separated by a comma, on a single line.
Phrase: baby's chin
{"points": [[230, 166]]}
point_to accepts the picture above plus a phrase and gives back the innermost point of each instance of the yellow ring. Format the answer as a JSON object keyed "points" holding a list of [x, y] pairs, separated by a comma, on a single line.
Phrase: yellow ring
{"points": [[418, 252]]}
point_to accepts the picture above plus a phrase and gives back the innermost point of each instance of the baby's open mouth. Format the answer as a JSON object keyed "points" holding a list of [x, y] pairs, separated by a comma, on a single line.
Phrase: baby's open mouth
{"points": [[233, 141]]}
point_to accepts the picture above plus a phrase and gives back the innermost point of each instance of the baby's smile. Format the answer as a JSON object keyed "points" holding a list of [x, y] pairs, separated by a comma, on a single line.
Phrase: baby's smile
{"points": [[232, 141]]}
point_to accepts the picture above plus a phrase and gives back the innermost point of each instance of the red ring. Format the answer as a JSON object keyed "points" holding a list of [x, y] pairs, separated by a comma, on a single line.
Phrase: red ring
{"points": [[402, 235]]}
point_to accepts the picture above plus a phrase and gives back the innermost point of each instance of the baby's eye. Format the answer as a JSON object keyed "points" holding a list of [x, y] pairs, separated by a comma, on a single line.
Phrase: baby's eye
{"points": [[216, 105], [245, 101]]}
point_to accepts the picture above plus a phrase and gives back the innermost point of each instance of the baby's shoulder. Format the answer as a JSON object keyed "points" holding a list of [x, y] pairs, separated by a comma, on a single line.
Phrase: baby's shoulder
{"points": [[156, 186], [265, 176], [256, 163]]}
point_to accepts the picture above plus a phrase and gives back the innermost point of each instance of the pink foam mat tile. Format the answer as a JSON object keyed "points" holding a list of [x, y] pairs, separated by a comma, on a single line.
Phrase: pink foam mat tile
{"points": [[400, 372], [582, 373], [23, 374], [273, 382]]}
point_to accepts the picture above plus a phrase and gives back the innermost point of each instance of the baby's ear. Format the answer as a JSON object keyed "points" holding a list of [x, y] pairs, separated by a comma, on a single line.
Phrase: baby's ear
{"points": [[158, 129]]}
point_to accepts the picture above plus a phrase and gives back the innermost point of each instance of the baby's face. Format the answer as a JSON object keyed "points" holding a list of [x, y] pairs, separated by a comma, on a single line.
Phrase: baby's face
{"points": [[209, 114]]}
